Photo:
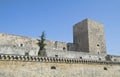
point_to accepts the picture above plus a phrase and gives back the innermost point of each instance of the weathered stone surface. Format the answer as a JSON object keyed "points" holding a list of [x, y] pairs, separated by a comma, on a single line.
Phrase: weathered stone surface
{"points": [[85, 57], [89, 36], [12, 44], [38, 69]]}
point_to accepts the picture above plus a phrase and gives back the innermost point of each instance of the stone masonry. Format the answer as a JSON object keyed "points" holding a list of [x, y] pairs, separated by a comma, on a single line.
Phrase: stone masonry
{"points": [[85, 57], [89, 37]]}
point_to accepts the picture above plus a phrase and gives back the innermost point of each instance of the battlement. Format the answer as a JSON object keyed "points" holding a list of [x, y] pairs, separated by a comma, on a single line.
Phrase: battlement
{"points": [[6, 57]]}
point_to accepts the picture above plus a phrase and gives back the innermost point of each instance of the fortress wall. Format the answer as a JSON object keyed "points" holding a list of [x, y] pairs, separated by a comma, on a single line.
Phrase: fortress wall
{"points": [[55, 45], [18, 41], [4, 49], [38, 69], [115, 58], [71, 47], [72, 54], [8, 49], [12, 44], [9, 40]]}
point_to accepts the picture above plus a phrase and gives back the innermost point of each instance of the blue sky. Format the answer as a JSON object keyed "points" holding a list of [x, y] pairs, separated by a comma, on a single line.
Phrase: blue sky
{"points": [[57, 17]]}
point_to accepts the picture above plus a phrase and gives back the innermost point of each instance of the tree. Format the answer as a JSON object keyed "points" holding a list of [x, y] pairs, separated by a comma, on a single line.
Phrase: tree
{"points": [[41, 44]]}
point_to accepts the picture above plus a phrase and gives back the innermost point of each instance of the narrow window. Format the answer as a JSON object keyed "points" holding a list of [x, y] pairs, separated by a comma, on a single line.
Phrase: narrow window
{"points": [[98, 53], [98, 45], [53, 67], [99, 58], [105, 68], [64, 48], [56, 55], [21, 45], [80, 57]]}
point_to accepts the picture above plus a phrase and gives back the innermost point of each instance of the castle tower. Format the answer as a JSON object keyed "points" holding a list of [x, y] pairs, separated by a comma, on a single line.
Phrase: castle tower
{"points": [[89, 37]]}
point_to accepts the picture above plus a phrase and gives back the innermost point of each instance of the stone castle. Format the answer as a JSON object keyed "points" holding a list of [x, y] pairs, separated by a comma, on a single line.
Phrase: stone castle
{"points": [[85, 57]]}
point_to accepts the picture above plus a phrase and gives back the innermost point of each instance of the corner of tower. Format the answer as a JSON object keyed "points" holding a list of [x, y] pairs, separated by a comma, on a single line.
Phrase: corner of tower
{"points": [[89, 36]]}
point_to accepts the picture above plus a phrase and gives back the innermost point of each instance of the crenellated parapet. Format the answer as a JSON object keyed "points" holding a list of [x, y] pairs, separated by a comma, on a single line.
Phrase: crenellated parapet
{"points": [[6, 57]]}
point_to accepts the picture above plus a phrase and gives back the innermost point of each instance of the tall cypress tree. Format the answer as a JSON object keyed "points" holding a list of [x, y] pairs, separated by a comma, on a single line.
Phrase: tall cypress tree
{"points": [[41, 44]]}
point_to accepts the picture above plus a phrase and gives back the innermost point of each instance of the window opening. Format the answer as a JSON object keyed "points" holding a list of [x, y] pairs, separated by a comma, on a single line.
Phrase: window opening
{"points": [[99, 58], [21, 45], [64, 48], [98, 53], [53, 67], [80, 57], [98, 45], [56, 55], [105, 68]]}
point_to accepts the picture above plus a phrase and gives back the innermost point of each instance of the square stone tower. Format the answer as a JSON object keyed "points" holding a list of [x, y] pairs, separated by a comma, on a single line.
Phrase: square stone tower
{"points": [[89, 37]]}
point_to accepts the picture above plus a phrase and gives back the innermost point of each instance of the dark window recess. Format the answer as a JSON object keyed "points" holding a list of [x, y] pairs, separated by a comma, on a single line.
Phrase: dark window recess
{"points": [[98, 45], [64, 48], [98, 53], [105, 68], [80, 57], [99, 58], [53, 67], [56, 55], [21, 45]]}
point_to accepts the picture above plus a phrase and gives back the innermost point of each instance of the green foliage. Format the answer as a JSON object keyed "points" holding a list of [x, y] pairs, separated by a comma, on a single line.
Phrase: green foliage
{"points": [[41, 41]]}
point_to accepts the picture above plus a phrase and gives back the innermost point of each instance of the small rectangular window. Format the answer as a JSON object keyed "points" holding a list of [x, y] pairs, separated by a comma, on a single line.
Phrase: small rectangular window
{"points": [[56, 55]]}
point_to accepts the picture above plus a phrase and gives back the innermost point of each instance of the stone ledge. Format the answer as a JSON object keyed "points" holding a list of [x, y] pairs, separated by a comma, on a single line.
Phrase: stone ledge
{"points": [[6, 57]]}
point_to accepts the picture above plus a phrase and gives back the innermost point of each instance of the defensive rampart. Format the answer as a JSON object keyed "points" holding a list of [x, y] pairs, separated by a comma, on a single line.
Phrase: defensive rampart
{"points": [[34, 66], [85, 57]]}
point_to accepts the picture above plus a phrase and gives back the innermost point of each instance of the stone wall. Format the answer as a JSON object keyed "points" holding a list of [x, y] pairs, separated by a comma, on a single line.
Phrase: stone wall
{"points": [[71, 47], [72, 55], [96, 37], [20, 45], [80, 36], [19, 55], [43, 69], [13, 44], [17, 50], [113, 58]]}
